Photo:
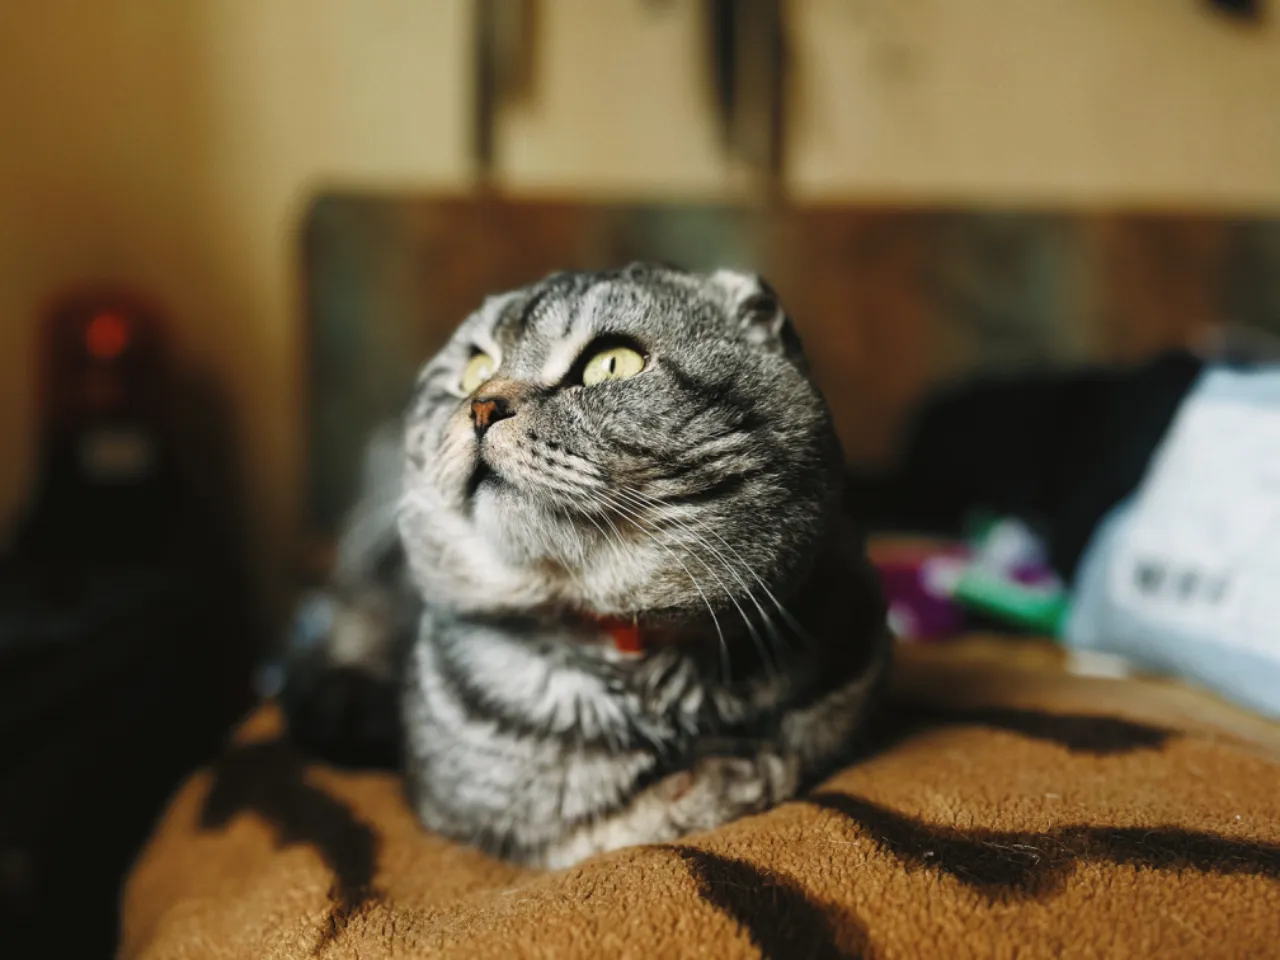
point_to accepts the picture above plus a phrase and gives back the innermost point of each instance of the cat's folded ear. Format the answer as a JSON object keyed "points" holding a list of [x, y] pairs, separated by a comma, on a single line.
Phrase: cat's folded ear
{"points": [[758, 312]]}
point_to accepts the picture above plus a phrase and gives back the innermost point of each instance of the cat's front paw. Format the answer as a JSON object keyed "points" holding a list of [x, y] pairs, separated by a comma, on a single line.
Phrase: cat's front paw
{"points": [[343, 715], [340, 693], [716, 790]]}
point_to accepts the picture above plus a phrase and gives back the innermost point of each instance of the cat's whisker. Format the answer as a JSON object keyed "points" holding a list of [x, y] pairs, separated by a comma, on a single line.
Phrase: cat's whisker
{"points": [[771, 663], [786, 614], [573, 575], [723, 644], [791, 621], [751, 628], [720, 632], [775, 635], [686, 528], [652, 535]]}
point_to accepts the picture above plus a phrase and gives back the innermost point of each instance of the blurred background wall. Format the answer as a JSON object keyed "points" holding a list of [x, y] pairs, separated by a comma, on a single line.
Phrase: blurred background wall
{"points": [[172, 147], [175, 146]]}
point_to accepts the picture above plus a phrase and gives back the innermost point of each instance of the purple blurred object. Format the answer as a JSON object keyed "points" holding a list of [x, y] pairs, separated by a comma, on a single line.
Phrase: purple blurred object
{"points": [[1033, 575], [919, 606], [920, 577]]}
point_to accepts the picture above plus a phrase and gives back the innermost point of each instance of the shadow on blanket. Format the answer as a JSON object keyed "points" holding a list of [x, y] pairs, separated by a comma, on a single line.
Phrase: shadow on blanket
{"points": [[269, 779], [1019, 864]]}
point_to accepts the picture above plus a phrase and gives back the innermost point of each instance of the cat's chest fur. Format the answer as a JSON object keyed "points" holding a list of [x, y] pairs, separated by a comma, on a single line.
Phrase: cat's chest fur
{"points": [[516, 740]]}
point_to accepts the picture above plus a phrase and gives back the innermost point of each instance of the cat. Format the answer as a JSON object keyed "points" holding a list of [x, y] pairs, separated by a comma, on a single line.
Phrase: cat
{"points": [[639, 609]]}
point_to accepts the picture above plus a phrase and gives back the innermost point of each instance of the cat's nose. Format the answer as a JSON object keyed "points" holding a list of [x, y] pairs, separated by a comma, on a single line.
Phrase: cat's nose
{"points": [[486, 411]]}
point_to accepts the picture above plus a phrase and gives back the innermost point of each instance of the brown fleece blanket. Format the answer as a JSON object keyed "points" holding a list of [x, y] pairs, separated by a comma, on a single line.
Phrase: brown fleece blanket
{"points": [[1010, 810]]}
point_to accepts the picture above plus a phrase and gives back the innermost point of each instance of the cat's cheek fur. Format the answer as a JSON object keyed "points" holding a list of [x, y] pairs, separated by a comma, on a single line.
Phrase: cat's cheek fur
{"points": [[457, 568], [454, 461]]}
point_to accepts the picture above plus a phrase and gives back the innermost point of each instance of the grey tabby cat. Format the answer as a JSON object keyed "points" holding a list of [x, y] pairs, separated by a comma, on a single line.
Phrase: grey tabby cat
{"points": [[641, 611]]}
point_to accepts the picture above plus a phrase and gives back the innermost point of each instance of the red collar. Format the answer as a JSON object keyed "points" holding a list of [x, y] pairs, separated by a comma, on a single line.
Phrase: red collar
{"points": [[626, 634]]}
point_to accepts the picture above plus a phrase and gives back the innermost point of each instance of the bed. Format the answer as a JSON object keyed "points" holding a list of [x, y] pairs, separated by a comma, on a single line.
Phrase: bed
{"points": [[1006, 807]]}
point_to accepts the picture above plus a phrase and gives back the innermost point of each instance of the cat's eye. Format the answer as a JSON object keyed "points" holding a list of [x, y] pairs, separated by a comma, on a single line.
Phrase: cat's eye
{"points": [[615, 363], [478, 369]]}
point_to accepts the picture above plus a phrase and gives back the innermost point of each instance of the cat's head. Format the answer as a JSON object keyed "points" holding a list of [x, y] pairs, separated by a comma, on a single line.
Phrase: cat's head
{"points": [[624, 442]]}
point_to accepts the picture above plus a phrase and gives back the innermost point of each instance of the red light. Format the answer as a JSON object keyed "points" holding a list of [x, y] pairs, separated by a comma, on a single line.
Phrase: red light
{"points": [[106, 336]]}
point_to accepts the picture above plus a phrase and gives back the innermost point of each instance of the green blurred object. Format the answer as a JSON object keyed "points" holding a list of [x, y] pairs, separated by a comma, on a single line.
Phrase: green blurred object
{"points": [[1038, 608]]}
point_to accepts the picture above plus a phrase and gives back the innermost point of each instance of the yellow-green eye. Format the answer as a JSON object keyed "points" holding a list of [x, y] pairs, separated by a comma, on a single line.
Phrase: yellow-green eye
{"points": [[616, 363], [478, 369]]}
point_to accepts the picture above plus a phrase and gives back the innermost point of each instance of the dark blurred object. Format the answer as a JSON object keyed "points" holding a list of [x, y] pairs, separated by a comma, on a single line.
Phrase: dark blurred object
{"points": [[345, 709], [1239, 9], [1058, 450], [127, 627], [106, 485], [505, 39], [746, 56], [99, 724], [345, 716], [748, 69]]}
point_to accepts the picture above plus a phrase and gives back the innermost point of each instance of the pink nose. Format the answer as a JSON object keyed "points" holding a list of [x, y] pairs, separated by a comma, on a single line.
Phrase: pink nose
{"points": [[486, 411]]}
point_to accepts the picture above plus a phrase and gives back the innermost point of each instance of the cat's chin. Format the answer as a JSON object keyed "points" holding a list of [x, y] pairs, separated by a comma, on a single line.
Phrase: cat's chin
{"points": [[534, 538], [483, 477], [494, 489]]}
